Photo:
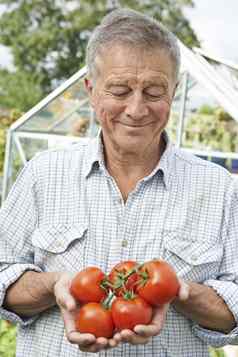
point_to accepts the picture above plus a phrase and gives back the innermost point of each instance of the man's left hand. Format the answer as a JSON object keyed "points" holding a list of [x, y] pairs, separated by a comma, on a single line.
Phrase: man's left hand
{"points": [[142, 334]]}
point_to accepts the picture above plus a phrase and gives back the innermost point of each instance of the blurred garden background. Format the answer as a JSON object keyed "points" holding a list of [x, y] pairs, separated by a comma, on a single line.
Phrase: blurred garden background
{"points": [[44, 41]]}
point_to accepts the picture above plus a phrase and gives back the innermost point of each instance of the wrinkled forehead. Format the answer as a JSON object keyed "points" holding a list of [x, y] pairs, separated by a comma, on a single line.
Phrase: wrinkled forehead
{"points": [[121, 60]]}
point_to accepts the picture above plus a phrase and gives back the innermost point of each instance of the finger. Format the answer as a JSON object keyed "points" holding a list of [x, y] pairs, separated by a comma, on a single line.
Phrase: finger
{"points": [[100, 344], [69, 322], [64, 299], [81, 339], [62, 292], [112, 343], [72, 335], [183, 291], [132, 338], [156, 325], [92, 349], [102, 341], [117, 337]]}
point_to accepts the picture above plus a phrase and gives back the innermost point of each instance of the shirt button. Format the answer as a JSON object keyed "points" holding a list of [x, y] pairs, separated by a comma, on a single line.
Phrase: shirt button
{"points": [[124, 243]]}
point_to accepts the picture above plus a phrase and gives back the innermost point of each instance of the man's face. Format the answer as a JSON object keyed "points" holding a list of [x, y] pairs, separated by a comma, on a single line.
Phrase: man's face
{"points": [[132, 96]]}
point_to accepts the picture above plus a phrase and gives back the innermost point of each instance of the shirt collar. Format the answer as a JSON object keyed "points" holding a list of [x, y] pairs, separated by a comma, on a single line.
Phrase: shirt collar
{"points": [[165, 163], [95, 156]]}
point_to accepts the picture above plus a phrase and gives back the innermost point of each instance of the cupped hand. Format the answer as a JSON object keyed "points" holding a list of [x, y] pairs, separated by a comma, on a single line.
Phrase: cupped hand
{"points": [[142, 334], [68, 307]]}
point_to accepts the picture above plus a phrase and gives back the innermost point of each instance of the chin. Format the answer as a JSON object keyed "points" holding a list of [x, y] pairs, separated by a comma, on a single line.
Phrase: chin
{"points": [[130, 145]]}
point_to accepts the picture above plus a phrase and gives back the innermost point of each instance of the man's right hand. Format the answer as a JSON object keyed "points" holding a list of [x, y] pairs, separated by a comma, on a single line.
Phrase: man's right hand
{"points": [[68, 306]]}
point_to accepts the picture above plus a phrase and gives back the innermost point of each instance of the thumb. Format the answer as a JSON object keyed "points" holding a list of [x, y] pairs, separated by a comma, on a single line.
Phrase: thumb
{"points": [[183, 291], [63, 297]]}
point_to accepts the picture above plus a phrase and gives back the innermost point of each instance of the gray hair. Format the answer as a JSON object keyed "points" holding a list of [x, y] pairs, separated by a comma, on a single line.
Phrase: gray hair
{"points": [[126, 26]]}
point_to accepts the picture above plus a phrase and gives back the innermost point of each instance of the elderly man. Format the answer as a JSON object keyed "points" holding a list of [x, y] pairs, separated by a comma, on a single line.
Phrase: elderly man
{"points": [[127, 194]]}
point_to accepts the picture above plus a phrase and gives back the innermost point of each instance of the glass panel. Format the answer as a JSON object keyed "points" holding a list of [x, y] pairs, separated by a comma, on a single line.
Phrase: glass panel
{"points": [[15, 166], [68, 114], [208, 127], [31, 146]]}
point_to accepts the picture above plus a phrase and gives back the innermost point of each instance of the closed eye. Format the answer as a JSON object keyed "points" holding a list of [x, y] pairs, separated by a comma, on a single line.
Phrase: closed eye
{"points": [[120, 94], [155, 92], [119, 90]]}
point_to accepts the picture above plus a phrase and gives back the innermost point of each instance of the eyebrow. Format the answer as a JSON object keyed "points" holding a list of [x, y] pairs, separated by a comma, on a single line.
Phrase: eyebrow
{"points": [[146, 84], [117, 82], [160, 82], [157, 81], [115, 86]]}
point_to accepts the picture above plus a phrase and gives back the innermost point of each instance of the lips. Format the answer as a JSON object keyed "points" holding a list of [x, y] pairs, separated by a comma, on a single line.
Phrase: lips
{"points": [[134, 125]]}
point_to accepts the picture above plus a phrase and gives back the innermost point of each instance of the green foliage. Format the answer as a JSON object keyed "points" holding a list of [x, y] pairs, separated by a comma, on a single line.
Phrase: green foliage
{"points": [[47, 39], [212, 130], [206, 109], [169, 12], [7, 339], [19, 90], [217, 352]]}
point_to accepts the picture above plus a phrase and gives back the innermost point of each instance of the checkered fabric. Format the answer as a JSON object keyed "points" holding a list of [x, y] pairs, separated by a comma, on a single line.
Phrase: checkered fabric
{"points": [[65, 212]]}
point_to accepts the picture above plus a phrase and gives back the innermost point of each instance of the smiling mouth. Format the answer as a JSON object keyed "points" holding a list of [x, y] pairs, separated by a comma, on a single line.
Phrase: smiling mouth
{"points": [[135, 126]]}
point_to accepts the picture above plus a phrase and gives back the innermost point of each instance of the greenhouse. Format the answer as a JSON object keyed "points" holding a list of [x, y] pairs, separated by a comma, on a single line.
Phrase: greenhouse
{"points": [[203, 118]]}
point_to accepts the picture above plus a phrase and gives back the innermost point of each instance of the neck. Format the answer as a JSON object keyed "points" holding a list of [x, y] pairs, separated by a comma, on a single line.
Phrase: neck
{"points": [[127, 168], [129, 164]]}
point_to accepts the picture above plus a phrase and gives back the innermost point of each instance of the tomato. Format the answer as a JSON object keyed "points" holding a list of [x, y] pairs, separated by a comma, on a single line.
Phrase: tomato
{"points": [[87, 285], [127, 313], [159, 284], [117, 277], [94, 318]]}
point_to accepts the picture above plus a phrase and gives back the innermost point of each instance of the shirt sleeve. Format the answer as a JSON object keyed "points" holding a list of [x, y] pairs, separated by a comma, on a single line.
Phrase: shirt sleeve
{"points": [[18, 218], [226, 283]]}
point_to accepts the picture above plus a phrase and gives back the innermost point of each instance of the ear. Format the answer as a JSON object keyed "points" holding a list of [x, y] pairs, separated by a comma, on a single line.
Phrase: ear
{"points": [[89, 88]]}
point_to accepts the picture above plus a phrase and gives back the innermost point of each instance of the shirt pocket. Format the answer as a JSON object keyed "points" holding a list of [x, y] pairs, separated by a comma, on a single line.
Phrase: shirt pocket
{"points": [[60, 247], [196, 260]]}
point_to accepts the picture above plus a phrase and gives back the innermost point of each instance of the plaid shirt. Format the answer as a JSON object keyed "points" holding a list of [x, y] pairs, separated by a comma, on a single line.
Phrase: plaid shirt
{"points": [[65, 212]]}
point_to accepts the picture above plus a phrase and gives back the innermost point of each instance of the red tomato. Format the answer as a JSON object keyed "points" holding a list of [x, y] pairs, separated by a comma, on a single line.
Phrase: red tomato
{"points": [[94, 318], [160, 284], [127, 313], [118, 274], [86, 285]]}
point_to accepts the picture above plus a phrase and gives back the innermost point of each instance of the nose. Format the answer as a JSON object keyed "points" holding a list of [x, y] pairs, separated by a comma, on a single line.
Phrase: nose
{"points": [[137, 107]]}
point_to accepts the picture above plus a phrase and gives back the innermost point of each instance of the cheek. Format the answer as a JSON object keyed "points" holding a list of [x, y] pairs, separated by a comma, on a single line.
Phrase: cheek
{"points": [[162, 110], [106, 110]]}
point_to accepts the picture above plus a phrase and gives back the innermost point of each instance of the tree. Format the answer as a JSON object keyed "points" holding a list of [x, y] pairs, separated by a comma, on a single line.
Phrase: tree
{"points": [[47, 39]]}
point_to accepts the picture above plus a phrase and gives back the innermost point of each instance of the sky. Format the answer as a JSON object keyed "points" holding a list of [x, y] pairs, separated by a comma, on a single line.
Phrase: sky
{"points": [[216, 25], [214, 21]]}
